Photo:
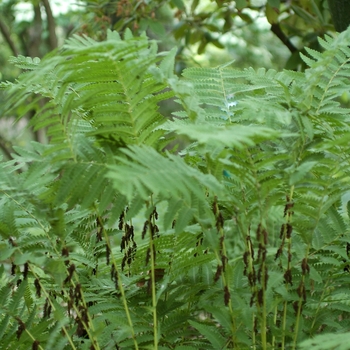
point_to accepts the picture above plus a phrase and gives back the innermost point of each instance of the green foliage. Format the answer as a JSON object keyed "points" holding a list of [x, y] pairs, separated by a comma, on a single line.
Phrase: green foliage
{"points": [[111, 239]]}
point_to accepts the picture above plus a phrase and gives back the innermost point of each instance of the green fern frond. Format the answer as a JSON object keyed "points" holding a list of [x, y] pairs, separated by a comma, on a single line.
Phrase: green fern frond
{"points": [[338, 341]]}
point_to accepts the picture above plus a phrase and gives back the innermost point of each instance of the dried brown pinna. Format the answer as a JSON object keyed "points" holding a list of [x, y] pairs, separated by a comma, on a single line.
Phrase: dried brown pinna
{"points": [[219, 221], [218, 273], [214, 207], [224, 261], [99, 230], [261, 297], [305, 268], [77, 293], [289, 230], [112, 271], [296, 307], [264, 232], [122, 244], [84, 314], [251, 278], [108, 254], [21, 327], [260, 251], [121, 220], [65, 252], [154, 213], [37, 288], [114, 276], [47, 308], [279, 252], [129, 256], [13, 269], [123, 262], [25, 270], [301, 290], [288, 277], [252, 300], [71, 270], [227, 295], [246, 263], [131, 232], [81, 332], [144, 230], [288, 206], [258, 233]]}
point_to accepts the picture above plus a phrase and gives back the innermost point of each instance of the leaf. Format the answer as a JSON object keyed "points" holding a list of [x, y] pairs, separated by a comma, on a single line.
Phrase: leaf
{"points": [[240, 4], [179, 4], [211, 333], [339, 341], [239, 136], [147, 172], [274, 3]]}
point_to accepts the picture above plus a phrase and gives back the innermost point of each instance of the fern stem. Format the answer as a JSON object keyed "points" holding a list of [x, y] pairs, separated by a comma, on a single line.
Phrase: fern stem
{"points": [[32, 337], [263, 328], [153, 283], [297, 320], [53, 308], [288, 214], [274, 322], [120, 285], [222, 258], [154, 298], [284, 321], [253, 332]]}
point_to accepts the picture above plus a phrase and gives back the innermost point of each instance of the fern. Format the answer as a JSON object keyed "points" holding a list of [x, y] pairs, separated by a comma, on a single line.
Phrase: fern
{"points": [[238, 240]]}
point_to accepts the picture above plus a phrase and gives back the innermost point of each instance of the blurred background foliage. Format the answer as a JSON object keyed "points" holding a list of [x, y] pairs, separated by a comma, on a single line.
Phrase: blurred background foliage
{"points": [[253, 33]]}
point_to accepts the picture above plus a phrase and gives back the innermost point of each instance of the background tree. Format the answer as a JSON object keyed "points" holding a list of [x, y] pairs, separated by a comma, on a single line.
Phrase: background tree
{"points": [[254, 33]]}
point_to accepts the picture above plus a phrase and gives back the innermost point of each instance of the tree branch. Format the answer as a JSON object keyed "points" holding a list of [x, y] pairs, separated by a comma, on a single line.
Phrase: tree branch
{"points": [[7, 36], [50, 24], [276, 29]]}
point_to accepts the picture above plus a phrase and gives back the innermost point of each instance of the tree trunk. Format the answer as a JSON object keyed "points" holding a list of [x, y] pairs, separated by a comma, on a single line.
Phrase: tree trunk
{"points": [[50, 24], [340, 11]]}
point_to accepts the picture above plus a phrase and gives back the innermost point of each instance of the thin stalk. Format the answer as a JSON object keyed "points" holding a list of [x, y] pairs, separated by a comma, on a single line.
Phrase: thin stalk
{"points": [[274, 322], [289, 263], [70, 340], [284, 321], [222, 258], [120, 285], [263, 327], [154, 297], [297, 321], [305, 269], [153, 283]]}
